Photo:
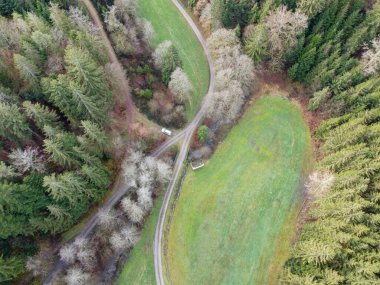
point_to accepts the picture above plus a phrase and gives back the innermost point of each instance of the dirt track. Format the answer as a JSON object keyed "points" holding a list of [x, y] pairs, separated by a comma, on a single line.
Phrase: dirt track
{"points": [[188, 133], [121, 187], [124, 86]]}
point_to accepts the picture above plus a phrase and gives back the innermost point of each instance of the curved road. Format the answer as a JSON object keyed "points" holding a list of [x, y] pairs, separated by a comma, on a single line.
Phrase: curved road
{"points": [[120, 186], [187, 133]]}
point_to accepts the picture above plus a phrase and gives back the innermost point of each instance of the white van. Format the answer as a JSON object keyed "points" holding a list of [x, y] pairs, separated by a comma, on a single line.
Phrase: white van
{"points": [[166, 132]]}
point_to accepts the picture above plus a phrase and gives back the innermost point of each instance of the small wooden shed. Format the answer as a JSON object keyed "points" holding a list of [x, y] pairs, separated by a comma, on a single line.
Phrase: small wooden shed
{"points": [[197, 165]]}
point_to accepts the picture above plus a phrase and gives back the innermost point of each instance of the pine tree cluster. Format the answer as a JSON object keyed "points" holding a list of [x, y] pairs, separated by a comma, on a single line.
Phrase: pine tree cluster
{"points": [[54, 100]]}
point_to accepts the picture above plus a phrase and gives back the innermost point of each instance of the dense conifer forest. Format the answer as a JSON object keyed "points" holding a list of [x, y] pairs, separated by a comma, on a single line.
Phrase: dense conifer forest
{"points": [[332, 47], [53, 112]]}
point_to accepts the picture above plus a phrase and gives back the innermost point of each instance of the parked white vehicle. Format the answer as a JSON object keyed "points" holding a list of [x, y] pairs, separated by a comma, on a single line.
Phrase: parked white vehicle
{"points": [[166, 132]]}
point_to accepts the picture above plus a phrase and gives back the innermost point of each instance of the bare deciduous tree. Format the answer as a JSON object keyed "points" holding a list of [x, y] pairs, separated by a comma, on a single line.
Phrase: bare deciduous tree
{"points": [[86, 257], [150, 162], [164, 171], [117, 242], [180, 85], [136, 156], [122, 27], [146, 178], [206, 17], [82, 21], [9, 34], [221, 39], [80, 242], [40, 263], [147, 31], [131, 235], [133, 211], [68, 253], [117, 142], [244, 71], [144, 199], [226, 104], [114, 74], [234, 66], [110, 18], [21, 24], [76, 276], [124, 239], [319, 182], [27, 160], [234, 77], [227, 57], [160, 53], [130, 173], [55, 64], [129, 7], [284, 27], [107, 219], [199, 7], [371, 58]]}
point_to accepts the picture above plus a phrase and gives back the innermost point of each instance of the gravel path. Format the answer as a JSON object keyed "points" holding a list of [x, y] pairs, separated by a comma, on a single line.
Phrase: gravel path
{"points": [[187, 133]]}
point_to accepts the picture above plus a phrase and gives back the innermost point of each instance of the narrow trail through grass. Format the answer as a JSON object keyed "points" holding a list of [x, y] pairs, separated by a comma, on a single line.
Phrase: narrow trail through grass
{"points": [[234, 218], [169, 24]]}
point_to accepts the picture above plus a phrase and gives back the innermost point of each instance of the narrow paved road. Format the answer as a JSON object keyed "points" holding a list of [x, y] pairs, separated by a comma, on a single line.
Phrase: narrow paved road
{"points": [[120, 187], [187, 133]]}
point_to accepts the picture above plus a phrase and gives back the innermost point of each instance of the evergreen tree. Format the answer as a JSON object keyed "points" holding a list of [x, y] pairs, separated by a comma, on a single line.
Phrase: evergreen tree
{"points": [[256, 45], [97, 175], [67, 186], [302, 67], [312, 7], [60, 19], [235, 13], [61, 149], [171, 61], [40, 114], [7, 172], [10, 268], [7, 7], [87, 73], [73, 100], [366, 30], [28, 70], [95, 135], [13, 123], [19, 203]]}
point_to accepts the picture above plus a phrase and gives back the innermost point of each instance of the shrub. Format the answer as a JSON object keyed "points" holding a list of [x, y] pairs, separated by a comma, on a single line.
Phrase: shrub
{"points": [[203, 133], [145, 93]]}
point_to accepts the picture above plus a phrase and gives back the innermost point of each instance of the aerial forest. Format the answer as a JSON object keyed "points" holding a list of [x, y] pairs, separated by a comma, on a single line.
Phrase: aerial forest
{"points": [[68, 131]]}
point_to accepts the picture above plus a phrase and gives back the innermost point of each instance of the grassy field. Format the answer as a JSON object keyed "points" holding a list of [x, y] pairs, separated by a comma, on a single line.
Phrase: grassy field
{"points": [[235, 217], [170, 25], [139, 268]]}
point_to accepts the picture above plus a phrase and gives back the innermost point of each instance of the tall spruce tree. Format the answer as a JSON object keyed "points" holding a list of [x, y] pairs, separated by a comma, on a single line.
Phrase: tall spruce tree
{"points": [[13, 123]]}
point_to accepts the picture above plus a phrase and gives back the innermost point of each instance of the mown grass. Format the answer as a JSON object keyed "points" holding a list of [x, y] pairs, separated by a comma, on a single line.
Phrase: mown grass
{"points": [[169, 24], [234, 219], [139, 268]]}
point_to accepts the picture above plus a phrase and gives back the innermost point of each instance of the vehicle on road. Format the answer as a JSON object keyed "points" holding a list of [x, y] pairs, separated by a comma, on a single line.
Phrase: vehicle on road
{"points": [[166, 132]]}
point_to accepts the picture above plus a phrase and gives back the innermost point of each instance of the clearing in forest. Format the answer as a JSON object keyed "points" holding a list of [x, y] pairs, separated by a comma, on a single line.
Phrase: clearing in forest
{"points": [[169, 24], [235, 217]]}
